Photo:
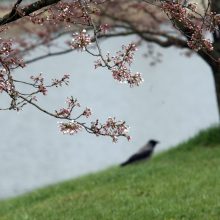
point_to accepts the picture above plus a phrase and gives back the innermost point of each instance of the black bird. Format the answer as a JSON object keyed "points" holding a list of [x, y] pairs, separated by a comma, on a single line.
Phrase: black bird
{"points": [[143, 154]]}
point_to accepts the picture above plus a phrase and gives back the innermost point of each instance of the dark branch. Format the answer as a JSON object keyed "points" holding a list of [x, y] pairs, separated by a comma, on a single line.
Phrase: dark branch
{"points": [[150, 35], [15, 7], [48, 55], [215, 7], [16, 14]]}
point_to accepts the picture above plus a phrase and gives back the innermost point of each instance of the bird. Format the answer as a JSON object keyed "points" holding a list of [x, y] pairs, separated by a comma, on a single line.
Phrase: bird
{"points": [[143, 154]]}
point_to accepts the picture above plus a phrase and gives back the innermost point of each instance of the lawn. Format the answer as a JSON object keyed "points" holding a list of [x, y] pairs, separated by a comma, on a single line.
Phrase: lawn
{"points": [[181, 183]]}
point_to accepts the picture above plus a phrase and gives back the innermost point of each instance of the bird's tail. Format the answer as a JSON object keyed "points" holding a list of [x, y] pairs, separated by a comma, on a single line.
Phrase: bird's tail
{"points": [[125, 163]]}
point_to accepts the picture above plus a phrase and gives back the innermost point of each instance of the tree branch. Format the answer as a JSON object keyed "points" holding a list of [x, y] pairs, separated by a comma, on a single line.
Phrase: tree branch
{"points": [[48, 55], [15, 14]]}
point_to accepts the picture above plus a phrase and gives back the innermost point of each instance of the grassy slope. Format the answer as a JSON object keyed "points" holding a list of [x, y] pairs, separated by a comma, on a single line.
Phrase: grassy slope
{"points": [[182, 183]]}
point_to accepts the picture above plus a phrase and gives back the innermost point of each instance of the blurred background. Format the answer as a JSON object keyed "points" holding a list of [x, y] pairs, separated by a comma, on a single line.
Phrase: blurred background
{"points": [[176, 100]]}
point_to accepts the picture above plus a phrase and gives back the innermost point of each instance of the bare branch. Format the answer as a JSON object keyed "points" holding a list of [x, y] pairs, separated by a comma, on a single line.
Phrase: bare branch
{"points": [[16, 14], [48, 55]]}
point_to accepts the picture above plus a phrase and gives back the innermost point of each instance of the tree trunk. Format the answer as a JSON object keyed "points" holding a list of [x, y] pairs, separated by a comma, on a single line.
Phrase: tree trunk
{"points": [[215, 7], [215, 67], [216, 76]]}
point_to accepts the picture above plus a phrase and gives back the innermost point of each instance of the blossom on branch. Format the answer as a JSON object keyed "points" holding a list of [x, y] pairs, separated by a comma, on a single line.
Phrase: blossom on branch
{"points": [[87, 112], [185, 19], [70, 127], [42, 25], [111, 128], [63, 112], [60, 82], [80, 40], [120, 65]]}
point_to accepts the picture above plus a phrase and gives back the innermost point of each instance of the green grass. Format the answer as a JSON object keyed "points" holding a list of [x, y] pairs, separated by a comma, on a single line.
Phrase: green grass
{"points": [[182, 183]]}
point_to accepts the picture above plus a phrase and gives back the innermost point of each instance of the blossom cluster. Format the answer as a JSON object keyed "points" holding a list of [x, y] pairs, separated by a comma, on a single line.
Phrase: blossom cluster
{"points": [[87, 112], [120, 65], [70, 127], [197, 42], [184, 19], [112, 128], [8, 55], [66, 112], [80, 40], [5, 84], [67, 12], [8, 60], [38, 82], [103, 28]]}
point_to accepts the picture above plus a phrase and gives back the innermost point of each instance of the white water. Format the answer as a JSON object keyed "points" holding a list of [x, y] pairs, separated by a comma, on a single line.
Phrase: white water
{"points": [[176, 100]]}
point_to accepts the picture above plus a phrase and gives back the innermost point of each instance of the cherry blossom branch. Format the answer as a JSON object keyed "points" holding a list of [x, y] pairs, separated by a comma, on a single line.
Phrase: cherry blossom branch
{"points": [[88, 20], [111, 128]]}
